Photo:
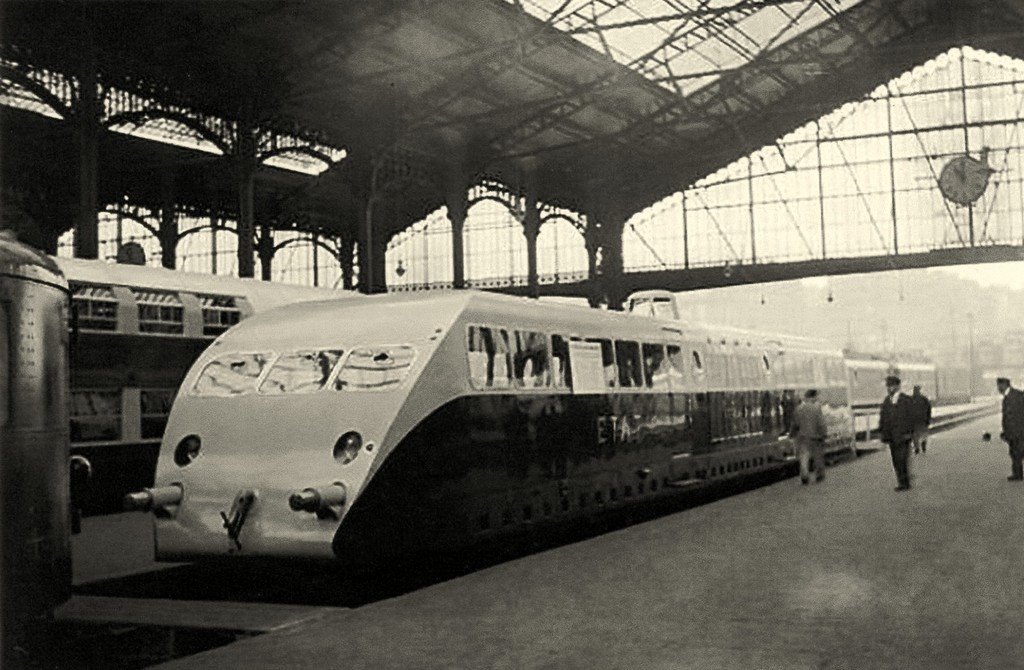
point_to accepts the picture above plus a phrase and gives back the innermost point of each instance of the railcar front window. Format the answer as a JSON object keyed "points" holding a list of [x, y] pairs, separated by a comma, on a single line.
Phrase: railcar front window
{"points": [[231, 374], [627, 354], [375, 368], [300, 372]]}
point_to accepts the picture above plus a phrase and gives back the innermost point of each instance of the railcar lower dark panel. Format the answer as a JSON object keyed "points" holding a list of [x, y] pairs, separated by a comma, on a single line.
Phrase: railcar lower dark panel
{"points": [[490, 464]]}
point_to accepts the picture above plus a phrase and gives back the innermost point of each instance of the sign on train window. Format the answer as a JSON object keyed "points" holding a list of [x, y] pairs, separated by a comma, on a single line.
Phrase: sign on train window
{"points": [[588, 369], [300, 372], [530, 360], [560, 362], [488, 354], [607, 361], [656, 367], [627, 354], [95, 416], [375, 368], [231, 374]]}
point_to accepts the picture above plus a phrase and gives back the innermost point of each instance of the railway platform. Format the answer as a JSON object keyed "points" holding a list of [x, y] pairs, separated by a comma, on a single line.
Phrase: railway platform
{"points": [[842, 574]]}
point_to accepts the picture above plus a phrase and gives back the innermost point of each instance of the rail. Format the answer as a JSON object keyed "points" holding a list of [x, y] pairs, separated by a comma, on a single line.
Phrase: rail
{"points": [[865, 420]]}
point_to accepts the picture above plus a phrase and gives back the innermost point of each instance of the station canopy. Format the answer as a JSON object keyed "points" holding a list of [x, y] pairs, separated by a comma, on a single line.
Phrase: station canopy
{"points": [[630, 99]]}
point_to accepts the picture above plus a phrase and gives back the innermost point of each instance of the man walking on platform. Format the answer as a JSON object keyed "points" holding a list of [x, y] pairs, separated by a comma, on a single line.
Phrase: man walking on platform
{"points": [[922, 416], [810, 432], [1013, 426], [895, 427]]}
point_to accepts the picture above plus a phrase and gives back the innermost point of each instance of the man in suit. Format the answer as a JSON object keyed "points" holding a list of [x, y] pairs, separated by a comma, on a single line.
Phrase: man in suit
{"points": [[810, 432], [895, 427], [1013, 426]]}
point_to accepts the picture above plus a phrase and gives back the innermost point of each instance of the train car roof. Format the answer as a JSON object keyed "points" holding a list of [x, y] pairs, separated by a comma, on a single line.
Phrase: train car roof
{"points": [[397, 312], [262, 294]]}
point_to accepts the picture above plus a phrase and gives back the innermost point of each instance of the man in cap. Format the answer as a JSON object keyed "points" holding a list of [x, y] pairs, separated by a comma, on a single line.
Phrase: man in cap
{"points": [[810, 432], [1013, 426], [895, 426]]}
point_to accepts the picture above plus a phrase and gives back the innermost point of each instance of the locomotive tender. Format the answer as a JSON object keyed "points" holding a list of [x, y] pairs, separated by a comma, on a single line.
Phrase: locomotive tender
{"points": [[357, 427]]}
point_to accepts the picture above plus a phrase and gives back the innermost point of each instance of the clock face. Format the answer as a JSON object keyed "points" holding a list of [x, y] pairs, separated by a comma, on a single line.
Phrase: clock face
{"points": [[964, 179]]}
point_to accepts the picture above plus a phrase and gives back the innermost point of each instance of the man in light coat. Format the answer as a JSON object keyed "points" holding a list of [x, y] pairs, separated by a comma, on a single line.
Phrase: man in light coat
{"points": [[810, 432]]}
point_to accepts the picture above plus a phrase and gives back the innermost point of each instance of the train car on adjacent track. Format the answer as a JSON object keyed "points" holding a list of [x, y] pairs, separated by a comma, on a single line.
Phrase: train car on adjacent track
{"points": [[135, 332], [358, 427]]}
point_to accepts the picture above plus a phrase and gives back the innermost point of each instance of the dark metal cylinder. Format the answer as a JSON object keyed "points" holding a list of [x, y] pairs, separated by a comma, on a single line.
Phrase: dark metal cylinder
{"points": [[34, 511]]}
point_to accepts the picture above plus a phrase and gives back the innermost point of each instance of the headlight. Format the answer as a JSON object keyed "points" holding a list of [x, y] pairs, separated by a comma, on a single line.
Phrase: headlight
{"points": [[187, 450], [348, 447]]}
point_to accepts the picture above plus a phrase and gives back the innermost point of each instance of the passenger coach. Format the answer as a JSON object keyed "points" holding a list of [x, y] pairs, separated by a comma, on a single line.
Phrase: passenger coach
{"points": [[351, 428]]}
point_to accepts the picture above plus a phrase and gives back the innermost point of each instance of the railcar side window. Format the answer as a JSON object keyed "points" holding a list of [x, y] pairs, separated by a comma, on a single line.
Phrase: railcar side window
{"points": [[159, 311], [154, 407], [375, 368], [677, 363], [530, 360], [608, 361], [630, 371], [698, 364], [561, 372], [231, 374], [300, 372], [95, 307], [95, 415], [488, 354], [220, 312], [655, 366]]}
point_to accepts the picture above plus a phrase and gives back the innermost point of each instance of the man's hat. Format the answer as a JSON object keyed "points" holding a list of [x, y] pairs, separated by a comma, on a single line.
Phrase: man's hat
{"points": [[811, 393], [892, 380], [1003, 380]]}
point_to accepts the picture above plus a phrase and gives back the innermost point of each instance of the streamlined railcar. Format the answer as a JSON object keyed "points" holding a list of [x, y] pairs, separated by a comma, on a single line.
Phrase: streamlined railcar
{"points": [[867, 377], [354, 428], [135, 331]]}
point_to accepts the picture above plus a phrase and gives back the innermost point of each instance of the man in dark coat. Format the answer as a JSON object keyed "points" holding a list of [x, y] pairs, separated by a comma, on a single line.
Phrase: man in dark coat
{"points": [[1013, 426], [895, 427], [922, 417]]}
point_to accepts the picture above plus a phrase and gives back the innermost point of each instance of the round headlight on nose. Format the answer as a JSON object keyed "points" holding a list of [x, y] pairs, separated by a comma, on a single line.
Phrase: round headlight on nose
{"points": [[187, 450], [347, 447]]}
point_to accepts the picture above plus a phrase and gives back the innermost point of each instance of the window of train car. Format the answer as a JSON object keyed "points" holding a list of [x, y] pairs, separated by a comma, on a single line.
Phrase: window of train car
{"points": [[159, 311], [375, 368], [607, 360], [231, 374], [300, 372], [530, 365], [154, 408], [656, 367], [95, 307], [220, 312], [766, 363], [627, 354], [561, 372], [488, 355], [95, 415]]}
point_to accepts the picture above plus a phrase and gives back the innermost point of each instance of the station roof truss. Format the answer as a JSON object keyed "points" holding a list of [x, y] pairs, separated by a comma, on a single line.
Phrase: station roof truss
{"points": [[621, 100]]}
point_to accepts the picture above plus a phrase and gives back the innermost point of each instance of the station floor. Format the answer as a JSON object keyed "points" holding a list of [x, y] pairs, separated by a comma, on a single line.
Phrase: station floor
{"points": [[842, 574]]}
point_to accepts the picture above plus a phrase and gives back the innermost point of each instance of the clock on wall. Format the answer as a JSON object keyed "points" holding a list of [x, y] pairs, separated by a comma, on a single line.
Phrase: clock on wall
{"points": [[964, 179]]}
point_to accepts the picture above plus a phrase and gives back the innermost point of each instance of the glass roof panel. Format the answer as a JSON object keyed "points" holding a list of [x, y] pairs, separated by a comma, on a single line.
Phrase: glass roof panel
{"points": [[684, 44]]}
